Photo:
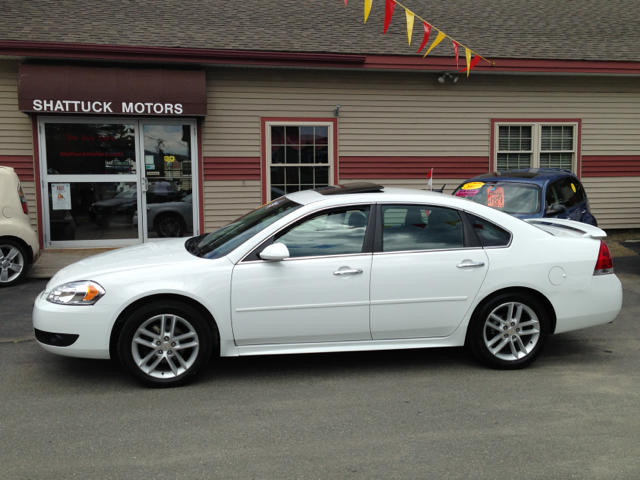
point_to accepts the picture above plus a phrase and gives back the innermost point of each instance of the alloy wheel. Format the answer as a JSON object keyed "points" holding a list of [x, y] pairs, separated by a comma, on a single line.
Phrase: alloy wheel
{"points": [[165, 346], [170, 227], [511, 331], [11, 263]]}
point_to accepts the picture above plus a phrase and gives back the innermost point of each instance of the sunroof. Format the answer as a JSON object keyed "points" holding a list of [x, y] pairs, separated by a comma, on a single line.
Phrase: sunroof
{"points": [[360, 187]]}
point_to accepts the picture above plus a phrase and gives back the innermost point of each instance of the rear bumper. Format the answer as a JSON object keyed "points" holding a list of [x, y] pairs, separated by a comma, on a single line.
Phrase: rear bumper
{"points": [[597, 305]]}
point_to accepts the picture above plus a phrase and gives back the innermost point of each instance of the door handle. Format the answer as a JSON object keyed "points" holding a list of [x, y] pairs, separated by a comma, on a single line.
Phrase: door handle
{"points": [[354, 271], [470, 265], [145, 184]]}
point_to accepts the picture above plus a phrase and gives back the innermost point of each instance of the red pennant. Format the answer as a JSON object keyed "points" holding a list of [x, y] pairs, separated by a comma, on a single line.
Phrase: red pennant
{"points": [[345, 3], [427, 32], [388, 13], [473, 63], [455, 49]]}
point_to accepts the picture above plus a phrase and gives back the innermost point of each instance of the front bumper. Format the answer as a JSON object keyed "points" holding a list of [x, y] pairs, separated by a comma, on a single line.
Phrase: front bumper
{"points": [[91, 323]]}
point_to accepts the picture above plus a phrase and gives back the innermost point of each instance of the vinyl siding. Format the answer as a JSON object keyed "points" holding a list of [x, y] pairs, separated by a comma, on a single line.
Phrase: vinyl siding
{"points": [[29, 189], [227, 200], [399, 114], [615, 201], [15, 127]]}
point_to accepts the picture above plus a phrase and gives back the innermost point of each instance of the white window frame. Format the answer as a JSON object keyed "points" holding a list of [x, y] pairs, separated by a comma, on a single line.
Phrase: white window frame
{"points": [[294, 123], [536, 140]]}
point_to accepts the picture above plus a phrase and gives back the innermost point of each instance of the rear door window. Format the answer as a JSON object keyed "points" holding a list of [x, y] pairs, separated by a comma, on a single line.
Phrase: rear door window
{"points": [[420, 227]]}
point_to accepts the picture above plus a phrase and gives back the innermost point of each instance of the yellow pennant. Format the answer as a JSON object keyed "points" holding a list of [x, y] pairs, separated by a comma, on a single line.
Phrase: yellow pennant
{"points": [[467, 54], [441, 36], [367, 9], [410, 18]]}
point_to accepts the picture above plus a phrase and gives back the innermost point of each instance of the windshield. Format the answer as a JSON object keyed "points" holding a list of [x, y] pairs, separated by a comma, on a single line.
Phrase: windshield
{"points": [[221, 242], [509, 197]]}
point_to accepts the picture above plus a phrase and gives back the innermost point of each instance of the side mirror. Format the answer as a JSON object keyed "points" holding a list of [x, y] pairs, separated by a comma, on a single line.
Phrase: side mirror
{"points": [[555, 209], [275, 252]]}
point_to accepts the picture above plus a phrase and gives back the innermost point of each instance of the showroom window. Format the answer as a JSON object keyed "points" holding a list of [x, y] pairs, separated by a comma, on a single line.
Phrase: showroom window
{"points": [[299, 157], [535, 145]]}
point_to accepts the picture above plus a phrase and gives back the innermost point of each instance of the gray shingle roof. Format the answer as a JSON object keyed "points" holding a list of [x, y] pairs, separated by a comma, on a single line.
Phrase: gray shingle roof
{"points": [[534, 29]]}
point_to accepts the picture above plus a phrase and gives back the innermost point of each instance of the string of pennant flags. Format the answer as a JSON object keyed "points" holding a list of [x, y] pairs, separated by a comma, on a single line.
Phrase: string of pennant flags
{"points": [[390, 6]]}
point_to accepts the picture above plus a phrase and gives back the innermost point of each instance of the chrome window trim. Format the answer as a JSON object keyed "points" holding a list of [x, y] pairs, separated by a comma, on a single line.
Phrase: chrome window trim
{"points": [[290, 259], [429, 250], [302, 217]]}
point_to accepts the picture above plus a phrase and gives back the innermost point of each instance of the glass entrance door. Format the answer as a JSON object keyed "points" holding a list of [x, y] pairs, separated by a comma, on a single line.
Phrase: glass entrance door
{"points": [[167, 179], [119, 182]]}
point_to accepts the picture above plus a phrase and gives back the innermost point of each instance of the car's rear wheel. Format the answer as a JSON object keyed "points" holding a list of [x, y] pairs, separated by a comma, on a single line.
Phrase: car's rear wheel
{"points": [[13, 262], [164, 344], [509, 331], [170, 225]]}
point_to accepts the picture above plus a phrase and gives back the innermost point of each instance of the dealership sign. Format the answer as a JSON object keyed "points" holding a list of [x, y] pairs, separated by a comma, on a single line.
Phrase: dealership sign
{"points": [[80, 106], [66, 89]]}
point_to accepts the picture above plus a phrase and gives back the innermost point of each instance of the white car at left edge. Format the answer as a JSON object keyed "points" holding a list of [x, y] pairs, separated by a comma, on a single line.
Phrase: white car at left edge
{"points": [[340, 268]]}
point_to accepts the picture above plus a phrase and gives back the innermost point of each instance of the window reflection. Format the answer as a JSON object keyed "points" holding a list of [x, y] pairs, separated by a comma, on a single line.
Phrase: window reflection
{"points": [[97, 211], [418, 227], [339, 232]]}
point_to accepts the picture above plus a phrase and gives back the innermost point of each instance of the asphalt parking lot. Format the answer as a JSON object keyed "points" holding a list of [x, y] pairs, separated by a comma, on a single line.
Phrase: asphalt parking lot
{"points": [[409, 414]]}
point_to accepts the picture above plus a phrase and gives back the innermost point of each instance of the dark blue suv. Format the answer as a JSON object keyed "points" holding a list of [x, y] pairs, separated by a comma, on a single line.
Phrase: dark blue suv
{"points": [[531, 193]]}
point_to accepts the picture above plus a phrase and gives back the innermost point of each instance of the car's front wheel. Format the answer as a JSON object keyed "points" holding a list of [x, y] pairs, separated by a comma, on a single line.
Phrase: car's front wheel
{"points": [[165, 343], [509, 331], [13, 263]]}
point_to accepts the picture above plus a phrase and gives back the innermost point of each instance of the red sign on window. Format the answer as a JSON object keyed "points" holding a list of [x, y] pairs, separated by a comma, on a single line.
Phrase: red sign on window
{"points": [[495, 197]]}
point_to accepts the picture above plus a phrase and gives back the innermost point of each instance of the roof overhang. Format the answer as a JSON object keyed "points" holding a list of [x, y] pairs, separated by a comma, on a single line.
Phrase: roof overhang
{"points": [[74, 51]]}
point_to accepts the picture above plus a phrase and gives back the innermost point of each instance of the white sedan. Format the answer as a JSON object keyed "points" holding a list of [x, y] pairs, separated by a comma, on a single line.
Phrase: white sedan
{"points": [[352, 268]]}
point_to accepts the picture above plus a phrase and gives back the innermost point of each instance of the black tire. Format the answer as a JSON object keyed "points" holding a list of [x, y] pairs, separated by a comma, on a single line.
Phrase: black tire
{"points": [[170, 225], [14, 263], [177, 359], [512, 344]]}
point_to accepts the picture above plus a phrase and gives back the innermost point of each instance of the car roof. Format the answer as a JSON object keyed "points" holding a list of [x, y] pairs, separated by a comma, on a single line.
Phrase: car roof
{"points": [[360, 193], [538, 176]]}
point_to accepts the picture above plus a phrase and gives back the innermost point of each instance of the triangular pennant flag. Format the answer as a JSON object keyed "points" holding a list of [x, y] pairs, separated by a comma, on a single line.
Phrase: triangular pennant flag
{"points": [[410, 18], [345, 3], [455, 49], [388, 13], [438, 39], [367, 9], [427, 31], [474, 62], [467, 54]]}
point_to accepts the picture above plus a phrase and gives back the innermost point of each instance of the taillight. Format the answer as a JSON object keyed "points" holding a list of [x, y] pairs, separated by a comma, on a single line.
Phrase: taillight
{"points": [[23, 200], [604, 264]]}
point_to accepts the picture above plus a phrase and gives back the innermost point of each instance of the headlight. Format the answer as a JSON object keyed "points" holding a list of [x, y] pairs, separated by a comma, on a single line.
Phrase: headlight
{"points": [[84, 292]]}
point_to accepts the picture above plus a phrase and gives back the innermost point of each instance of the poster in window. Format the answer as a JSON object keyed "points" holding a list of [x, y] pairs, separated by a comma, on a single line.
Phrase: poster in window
{"points": [[61, 196]]}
